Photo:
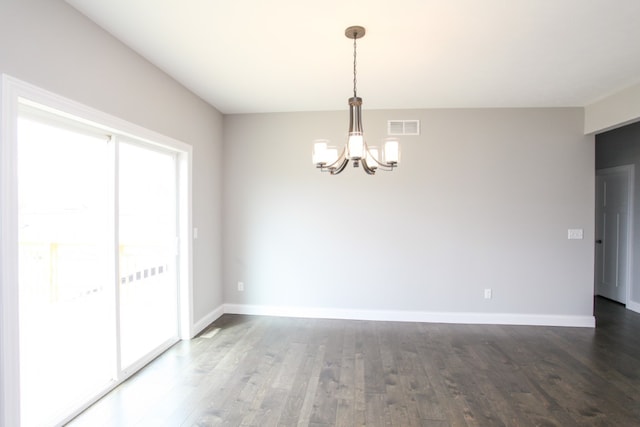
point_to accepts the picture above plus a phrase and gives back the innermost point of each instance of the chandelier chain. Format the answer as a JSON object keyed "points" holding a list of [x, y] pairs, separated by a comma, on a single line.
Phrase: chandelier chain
{"points": [[355, 36]]}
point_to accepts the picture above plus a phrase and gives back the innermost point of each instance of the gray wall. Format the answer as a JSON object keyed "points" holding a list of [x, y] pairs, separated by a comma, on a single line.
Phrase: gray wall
{"points": [[49, 44], [482, 199], [622, 147]]}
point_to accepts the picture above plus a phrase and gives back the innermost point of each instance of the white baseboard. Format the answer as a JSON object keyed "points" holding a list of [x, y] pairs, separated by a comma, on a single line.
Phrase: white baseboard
{"points": [[208, 319], [633, 306], [416, 316]]}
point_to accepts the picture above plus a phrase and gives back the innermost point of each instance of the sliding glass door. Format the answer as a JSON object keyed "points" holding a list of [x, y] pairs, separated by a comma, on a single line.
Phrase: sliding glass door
{"points": [[97, 274], [147, 249], [67, 311]]}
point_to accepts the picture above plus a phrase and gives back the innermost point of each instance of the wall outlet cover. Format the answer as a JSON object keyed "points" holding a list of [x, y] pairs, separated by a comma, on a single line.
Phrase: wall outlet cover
{"points": [[575, 234]]}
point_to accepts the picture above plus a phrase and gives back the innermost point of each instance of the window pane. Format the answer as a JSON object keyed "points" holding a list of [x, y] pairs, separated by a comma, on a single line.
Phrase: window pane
{"points": [[147, 238], [67, 341]]}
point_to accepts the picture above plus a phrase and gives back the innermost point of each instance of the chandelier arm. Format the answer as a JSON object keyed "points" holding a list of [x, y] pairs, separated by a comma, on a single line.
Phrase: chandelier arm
{"points": [[384, 165], [337, 170], [335, 165], [367, 169], [339, 160], [387, 167]]}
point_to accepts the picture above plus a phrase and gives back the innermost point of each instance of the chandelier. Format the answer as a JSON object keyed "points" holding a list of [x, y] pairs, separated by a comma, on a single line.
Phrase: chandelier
{"points": [[326, 157]]}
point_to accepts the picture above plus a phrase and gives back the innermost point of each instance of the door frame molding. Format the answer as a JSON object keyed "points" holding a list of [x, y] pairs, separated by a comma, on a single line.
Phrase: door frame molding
{"points": [[9, 338], [629, 170]]}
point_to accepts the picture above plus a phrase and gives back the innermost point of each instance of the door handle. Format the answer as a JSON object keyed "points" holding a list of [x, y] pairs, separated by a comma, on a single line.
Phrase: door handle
{"points": [[599, 241]]}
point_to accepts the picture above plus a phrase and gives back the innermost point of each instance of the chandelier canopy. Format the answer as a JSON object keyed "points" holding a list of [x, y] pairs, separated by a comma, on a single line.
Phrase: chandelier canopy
{"points": [[326, 157]]}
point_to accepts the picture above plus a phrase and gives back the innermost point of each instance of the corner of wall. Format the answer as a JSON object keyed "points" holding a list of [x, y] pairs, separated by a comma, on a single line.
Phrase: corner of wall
{"points": [[613, 111], [208, 319]]}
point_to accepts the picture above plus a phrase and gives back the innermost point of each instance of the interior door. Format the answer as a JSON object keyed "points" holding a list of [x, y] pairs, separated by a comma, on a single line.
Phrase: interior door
{"points": [[612, 232]]}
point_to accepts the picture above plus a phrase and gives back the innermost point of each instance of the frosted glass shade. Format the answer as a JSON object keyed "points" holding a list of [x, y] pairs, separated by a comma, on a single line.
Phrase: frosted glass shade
{"points": [[320, 152], [355, 146], [391, 151]]}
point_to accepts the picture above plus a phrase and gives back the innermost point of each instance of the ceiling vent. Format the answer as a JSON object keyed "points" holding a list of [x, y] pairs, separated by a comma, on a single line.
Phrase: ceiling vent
{"points": [[403, 127]]}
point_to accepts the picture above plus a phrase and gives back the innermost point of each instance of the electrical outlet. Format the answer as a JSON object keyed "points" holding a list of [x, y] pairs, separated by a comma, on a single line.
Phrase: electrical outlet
{"points": [[575, 234], [487, 294], [241, 286]]}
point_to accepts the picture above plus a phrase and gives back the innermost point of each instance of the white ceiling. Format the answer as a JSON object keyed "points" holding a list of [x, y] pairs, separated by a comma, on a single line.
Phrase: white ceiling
{"points": [[246, 56]]}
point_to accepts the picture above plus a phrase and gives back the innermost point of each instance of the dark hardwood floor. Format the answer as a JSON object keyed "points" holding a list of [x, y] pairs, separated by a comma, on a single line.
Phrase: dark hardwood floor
{"points": [[270, 371]]}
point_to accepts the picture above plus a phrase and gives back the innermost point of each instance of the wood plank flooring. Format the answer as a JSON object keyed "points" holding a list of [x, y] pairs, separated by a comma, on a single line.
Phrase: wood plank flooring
{"points": [[270, 371]]}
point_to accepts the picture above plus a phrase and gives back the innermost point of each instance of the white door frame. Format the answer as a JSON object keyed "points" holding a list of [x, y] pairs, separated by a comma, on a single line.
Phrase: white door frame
{"points": [[12, 92], [629, 170]]}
